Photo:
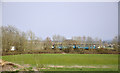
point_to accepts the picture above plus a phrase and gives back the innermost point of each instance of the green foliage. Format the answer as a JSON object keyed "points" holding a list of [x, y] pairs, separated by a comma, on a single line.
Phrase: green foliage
{"points": [[30, 69], [41, 66]]}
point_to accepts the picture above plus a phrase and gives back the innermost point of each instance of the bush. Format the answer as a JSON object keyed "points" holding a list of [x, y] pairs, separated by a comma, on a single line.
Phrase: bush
{"points": [[79, 51]]}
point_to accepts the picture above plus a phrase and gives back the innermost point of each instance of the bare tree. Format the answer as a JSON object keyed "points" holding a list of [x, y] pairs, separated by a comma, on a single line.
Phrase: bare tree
{"points": [[115, 42], [47, 43], [78, 39], [84, 41], [31, 37], [38, 43], [11, 36], [100, 43], [58, 38], [96, 41], [89, 41]]}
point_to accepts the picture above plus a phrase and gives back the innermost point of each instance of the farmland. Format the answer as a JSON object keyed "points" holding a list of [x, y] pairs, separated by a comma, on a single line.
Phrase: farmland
{"points": [[68, 62]]}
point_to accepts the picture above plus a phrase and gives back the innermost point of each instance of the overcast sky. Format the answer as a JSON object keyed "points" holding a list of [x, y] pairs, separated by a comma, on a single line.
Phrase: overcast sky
{"points": [[63, 18]]}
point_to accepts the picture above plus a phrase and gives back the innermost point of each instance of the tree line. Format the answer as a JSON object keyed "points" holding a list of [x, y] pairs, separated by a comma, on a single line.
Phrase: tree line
{"points": [[28, 41]]}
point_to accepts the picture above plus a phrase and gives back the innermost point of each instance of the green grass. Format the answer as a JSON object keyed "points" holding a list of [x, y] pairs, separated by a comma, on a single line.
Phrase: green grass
{"points": [[80, 69], [66, 60]]}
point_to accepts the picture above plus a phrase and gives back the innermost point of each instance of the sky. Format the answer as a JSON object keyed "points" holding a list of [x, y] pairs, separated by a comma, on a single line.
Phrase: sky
{"points": [[45, 19]]}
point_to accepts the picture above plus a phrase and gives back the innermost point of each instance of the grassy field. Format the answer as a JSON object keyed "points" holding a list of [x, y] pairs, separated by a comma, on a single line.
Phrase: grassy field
{"points": [[100, 60]]}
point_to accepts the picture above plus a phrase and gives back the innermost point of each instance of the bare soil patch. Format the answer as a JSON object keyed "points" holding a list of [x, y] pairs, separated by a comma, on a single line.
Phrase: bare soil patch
{"points": [[9, 66], [77, 66]]}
